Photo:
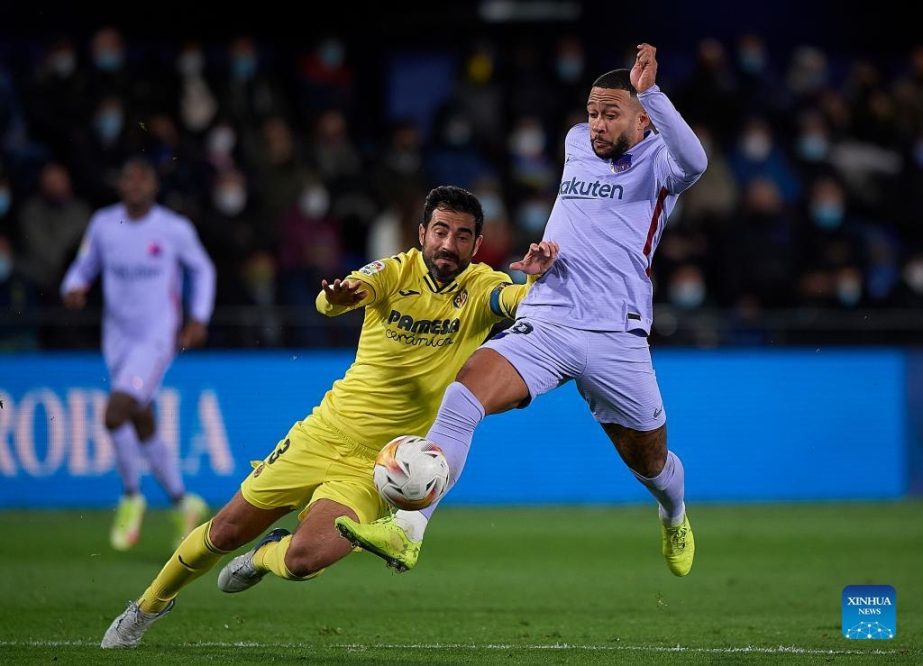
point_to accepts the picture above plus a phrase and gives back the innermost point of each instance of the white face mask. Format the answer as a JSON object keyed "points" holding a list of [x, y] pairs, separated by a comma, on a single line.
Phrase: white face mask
{"points": [[527, 142], [756, 146], [190, 63], [913, 276], [63, 63], [230, 199], [314, 202], [687, 294], [849, 291], [221, 140]]}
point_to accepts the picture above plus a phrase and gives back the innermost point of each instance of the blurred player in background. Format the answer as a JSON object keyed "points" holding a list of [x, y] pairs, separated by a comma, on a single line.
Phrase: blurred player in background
{"points": [[141, 249], [425, 312], [589, 317]]}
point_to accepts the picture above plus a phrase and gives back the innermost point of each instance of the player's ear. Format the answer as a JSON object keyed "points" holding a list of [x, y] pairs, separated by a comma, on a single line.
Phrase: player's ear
{"points": [[477, 244], [422, 234], [644, 120]]}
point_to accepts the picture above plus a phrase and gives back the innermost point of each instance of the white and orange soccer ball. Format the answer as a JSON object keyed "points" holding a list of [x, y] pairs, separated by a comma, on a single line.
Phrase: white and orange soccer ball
{"points": [[411, 472]]}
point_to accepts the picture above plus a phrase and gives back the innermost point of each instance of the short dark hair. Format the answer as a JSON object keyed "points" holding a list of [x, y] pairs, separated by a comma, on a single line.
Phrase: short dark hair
{"points": [[456, 199], [141, 163], [617, 79]]}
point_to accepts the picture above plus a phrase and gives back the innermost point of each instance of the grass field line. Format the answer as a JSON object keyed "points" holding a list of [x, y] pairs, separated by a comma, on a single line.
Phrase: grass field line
{"points": [[751, 649]]}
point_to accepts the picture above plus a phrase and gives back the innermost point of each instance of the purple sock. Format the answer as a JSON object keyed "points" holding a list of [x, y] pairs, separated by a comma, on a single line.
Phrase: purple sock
{"points": [[125, 443], [453, 429], [668, 488], [164, 466]]}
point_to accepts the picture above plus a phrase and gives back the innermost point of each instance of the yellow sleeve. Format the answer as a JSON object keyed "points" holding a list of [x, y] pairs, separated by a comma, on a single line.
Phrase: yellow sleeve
{"points": [[507, 296], [379, 278]]}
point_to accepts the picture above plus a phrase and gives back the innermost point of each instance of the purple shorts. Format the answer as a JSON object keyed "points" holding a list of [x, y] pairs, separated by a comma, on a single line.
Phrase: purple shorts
{"points": [[137, 368], [613, 370]]}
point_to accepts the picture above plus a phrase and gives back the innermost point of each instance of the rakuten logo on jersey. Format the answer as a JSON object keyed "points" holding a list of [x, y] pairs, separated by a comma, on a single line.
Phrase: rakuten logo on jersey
{"points": [[582, 189]]}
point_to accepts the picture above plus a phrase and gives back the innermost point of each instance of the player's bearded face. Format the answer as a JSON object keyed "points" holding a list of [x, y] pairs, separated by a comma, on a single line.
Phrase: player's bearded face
{"points": [[615, 122], [448, 244]]}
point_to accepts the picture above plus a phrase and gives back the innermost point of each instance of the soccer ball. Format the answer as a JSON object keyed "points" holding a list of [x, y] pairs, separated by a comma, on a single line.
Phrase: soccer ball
{"points": [[411, 472]]}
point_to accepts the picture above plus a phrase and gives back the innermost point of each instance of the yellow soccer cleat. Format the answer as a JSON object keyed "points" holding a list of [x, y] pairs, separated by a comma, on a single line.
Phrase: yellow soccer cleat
{"points": [[678, 546], [126, 529], [384, 538], [188, 515]]}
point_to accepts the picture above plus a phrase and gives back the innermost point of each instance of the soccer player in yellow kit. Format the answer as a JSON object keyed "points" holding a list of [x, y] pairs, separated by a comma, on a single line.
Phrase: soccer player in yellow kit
{"points": [[426, 311]]}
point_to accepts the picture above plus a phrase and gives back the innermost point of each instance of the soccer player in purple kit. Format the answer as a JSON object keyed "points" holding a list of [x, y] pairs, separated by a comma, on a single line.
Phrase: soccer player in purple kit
{"points": [[140, 248], [587, 319]]}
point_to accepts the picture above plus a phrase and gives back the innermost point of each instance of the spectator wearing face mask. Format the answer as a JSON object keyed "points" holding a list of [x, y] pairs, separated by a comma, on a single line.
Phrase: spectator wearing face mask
{"points": [[530, 166], [56, 97], [99, 150], [756, 155], [309, 250], [51, 224], [399, 173], [230, 231], [111, 74], [454, 158], [829, 236], [325, 79], [198, 105]]}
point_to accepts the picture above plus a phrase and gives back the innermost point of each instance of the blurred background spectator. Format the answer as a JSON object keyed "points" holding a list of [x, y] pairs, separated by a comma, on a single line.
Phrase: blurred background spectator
{"points": [[300, 157]]}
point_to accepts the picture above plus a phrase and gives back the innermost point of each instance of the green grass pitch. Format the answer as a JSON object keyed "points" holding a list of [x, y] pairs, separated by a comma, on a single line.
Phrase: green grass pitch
{"points": [[552, 585]]}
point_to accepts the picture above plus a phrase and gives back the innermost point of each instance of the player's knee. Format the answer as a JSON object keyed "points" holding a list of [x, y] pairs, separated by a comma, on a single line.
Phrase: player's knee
{"points": [[305, 563], [119, 410], [115, 417], [225, 535]]}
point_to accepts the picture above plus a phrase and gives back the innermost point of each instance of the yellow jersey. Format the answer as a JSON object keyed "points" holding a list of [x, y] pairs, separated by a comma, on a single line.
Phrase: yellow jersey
{"points": [[415, 338]]}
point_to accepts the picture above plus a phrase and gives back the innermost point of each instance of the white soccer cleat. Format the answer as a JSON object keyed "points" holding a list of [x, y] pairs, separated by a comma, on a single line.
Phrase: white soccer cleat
{"points": [[239, 574], [128, 628]]}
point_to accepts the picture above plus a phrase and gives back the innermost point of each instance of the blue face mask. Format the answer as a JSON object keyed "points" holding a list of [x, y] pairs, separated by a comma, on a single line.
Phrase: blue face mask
{"points": [[533, 217], [687, 295], [332, 54], [5, 201], [244, 66], [569, 68], [752, 61], [827, 215], [109, 125], [813, 147], [6, 267], [109, 60]]}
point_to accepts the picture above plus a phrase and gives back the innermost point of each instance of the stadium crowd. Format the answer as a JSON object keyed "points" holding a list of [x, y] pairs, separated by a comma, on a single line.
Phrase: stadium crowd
{"points": [[297, 165]]}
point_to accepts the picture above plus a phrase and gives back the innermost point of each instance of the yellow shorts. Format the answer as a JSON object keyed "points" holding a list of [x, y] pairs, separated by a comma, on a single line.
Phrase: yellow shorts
{"points": [[314, 461]]}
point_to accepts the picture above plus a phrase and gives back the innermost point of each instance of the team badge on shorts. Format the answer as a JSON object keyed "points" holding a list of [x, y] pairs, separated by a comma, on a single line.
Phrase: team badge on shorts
{"points": [[372, 268], [460, 299]]}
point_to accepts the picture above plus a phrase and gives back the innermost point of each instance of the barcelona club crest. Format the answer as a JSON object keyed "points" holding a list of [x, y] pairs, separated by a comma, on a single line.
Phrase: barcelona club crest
{"points": [[621, 164], [460, 298]]}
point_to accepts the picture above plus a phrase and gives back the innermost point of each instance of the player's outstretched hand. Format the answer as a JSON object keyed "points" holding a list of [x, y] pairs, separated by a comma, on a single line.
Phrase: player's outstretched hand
{"points": [[644, 72], [343, 292], [75, 298], [193, 334], [538, 259]]}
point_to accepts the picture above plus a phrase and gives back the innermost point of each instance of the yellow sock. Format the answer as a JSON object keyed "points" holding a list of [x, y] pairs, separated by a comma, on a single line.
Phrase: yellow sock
{"points": [[194, 557], [271, 557]]}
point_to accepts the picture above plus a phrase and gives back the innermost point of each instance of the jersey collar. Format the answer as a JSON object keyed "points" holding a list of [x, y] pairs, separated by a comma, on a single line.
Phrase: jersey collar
{"points": [[433, 285]]}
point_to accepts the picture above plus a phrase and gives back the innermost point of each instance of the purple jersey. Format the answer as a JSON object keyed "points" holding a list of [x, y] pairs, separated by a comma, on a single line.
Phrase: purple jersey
{"points": [[608, 218], [141, 262]]}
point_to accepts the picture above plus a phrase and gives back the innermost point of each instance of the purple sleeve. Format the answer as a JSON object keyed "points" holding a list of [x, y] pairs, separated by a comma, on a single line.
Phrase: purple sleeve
{"points": [[685, 158], [86, 266], [201, 272]]}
